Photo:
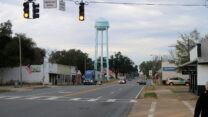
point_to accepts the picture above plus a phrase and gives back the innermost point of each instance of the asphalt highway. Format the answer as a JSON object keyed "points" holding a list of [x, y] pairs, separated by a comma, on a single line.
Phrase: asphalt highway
{"points": [[108, 100]]}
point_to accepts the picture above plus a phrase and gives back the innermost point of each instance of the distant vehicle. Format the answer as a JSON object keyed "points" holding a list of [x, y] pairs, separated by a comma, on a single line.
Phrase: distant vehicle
{"points": [[129, 79], [92, 77], [142, 80], [176, 81], [122, 80]]}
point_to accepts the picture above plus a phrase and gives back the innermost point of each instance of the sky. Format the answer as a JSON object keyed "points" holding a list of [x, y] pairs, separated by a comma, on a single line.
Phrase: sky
{"points": [[137, 31]]}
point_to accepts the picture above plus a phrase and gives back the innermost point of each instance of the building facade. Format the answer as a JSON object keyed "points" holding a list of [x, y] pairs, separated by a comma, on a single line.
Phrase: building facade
{"points": [[46, 73], [169, 70], [197, 68]]}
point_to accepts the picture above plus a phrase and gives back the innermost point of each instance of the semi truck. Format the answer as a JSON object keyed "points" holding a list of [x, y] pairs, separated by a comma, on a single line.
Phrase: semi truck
{"points": [[92, 77]]}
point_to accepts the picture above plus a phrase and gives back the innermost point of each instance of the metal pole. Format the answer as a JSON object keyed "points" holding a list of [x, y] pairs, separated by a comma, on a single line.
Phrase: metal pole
{"points": [[107, 59], [101, 52], [96, 50], [85, 62], [20, 58]]}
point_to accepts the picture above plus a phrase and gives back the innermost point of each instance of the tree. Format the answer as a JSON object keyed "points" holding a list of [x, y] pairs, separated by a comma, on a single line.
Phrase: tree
{"points": [[122, 64], [184, 46], [72, 58], [9, 48], [153, 65]]}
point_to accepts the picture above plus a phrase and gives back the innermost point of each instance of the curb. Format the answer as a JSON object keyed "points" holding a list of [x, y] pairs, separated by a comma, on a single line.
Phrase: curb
{"points": [[140, 92]]}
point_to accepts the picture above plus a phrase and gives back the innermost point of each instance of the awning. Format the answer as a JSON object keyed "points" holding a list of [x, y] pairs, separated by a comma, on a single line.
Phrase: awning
{"points": [[203, 60]]}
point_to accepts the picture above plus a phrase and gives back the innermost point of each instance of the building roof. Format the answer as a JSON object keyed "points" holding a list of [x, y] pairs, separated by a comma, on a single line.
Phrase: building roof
{"points": [[200, 60]]}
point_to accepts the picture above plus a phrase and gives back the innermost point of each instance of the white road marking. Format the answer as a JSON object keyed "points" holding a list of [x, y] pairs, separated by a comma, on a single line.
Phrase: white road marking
{"points": [[111, 100], [152, 109], [32, 98], [76, 99], [92, 100], [99, 97], [139, 93], [112, 92], [13, 97], [2, 96], [133, 101], [189, 106], [52, 98], [150, 115]]}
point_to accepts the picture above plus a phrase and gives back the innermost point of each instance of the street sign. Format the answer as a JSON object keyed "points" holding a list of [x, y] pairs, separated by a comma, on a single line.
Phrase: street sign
{"points": [[50, 3], [62, 5], [150, 72]]}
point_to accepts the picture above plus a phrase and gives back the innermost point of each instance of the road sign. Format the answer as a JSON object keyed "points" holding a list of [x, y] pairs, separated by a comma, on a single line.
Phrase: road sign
{"points": [[150, 72], [62, 5], [50, 3]]}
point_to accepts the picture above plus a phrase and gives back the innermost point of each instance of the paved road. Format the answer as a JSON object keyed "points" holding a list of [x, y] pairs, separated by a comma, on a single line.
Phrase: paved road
{"points": [[110, 100]]}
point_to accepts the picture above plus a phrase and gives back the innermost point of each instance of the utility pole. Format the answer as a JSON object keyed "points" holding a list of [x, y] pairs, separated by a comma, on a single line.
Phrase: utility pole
{"points": [[20, 58], [85, 63], [189, 49]]}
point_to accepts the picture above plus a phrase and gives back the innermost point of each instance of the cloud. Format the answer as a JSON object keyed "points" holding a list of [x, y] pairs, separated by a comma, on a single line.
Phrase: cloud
{"points": [[136, 31]]}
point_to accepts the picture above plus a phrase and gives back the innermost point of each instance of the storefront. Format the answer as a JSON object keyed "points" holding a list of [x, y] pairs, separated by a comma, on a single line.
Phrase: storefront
{"points": [[197, 68]]}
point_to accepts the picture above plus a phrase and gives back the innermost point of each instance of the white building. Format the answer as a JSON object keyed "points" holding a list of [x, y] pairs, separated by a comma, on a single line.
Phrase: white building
{"points": [[46, 73], [197, 68], [169, 71]]}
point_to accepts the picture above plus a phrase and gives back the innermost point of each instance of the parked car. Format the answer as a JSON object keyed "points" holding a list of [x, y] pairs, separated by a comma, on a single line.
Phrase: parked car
{"points": [[176, 81], [122, 80]]}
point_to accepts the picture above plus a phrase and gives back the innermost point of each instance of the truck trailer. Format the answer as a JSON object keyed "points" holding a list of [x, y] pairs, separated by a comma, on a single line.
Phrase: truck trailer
{"points": [[92, 77]]}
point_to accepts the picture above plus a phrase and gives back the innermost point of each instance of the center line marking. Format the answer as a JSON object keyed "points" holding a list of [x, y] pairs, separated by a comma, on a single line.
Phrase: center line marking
{"points": [[81, 92]]}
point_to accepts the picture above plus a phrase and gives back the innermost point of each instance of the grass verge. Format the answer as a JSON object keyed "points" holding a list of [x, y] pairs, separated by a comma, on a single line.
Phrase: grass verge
{"points": [[40, 87], [4, 90], [150, 95], [180, 90]]}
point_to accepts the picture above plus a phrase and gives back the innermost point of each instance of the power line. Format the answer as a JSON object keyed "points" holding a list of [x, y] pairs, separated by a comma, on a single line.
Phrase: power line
{"points": [[148, 4], [141, 4]]}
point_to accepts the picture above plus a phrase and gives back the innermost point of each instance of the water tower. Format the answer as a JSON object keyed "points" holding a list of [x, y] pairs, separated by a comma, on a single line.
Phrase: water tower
{"points": [[101, 25]]}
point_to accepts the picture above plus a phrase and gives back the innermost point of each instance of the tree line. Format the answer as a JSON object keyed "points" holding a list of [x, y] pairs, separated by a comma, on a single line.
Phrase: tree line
{"points": [[9, 48], [179, 56], [33, 55]]}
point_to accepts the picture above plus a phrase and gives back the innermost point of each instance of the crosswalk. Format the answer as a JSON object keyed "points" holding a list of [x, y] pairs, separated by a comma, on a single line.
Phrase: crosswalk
{"points": [[57, 98]]}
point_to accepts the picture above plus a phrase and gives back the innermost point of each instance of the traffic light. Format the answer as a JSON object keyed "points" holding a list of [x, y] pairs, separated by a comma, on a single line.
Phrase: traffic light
{"points": [[81, 11], [26, 10], [36, 10]]}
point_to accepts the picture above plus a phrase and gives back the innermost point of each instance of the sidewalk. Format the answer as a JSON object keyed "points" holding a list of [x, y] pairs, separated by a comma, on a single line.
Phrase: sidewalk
{"points": [[171, 101]]}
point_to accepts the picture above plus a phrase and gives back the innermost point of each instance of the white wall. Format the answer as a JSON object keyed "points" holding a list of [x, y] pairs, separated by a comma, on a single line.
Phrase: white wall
{"points": [[11, 74], [202, 74], [171, 74], [40, 71], [193, 54]]}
